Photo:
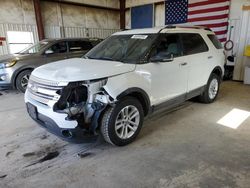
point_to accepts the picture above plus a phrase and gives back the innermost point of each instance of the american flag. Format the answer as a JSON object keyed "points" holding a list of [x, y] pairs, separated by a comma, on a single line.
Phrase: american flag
{"points": [[210, 13]]}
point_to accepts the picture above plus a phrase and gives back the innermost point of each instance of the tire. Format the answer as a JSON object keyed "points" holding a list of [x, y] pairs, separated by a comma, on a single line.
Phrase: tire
{"points": [[211, 90], [116, 122], [22, 80]]}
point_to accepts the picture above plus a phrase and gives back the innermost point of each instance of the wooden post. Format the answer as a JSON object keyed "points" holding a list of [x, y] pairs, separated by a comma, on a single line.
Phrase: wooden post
{"points": [[39, 21], [122, 14]]}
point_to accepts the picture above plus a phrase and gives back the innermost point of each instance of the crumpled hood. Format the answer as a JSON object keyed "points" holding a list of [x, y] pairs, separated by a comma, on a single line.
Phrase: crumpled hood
{"points": [[79, 69]]}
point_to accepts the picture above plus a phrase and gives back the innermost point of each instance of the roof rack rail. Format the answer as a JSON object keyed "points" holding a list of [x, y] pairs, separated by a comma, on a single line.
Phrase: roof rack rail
{"points": [[170, 27], [185, 26], [208, 29], [167, 27]]}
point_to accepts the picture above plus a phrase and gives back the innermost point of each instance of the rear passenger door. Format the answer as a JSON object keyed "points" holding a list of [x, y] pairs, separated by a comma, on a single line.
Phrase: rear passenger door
{"points": [[78, 48], [197, 55]]}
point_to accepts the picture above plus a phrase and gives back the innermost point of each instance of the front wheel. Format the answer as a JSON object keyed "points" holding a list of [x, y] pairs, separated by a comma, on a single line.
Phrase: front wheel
{"points": [[22, 80], [122, 123], [211, 90]]}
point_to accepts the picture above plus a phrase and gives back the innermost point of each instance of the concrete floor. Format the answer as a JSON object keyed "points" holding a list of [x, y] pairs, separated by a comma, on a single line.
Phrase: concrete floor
{"points": [[183, 148]]}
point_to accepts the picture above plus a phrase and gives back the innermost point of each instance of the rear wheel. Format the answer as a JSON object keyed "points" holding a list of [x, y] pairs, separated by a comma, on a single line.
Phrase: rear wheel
{"points": [[22, 80], [211, 90], [122, 123]]}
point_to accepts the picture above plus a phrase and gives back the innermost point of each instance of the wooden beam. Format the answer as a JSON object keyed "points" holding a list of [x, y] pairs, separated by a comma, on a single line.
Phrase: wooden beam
{"points": [[83, 5], [122, 13], [39, 21], [156, 3], [245, 7]]}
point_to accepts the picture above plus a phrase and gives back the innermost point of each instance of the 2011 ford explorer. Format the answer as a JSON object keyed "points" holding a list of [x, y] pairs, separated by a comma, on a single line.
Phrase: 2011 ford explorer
{"points": [[15, 69], [123, 79]]}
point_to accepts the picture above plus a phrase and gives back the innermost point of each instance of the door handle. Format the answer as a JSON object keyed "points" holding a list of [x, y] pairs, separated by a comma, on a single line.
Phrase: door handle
{"points": [[183, 64], [210, 57]]}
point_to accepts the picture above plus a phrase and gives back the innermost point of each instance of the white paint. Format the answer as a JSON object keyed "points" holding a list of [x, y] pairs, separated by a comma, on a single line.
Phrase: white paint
{"points": [[77, 69]]}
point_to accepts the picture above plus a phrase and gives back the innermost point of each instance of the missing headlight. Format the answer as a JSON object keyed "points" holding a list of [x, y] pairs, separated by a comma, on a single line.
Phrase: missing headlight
{"points": [[74, 93]]}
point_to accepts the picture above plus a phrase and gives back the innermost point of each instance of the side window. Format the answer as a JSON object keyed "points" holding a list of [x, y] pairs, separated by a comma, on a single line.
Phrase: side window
{"points": [[79, 46], [168, 45], [60, 47], [193, 43], [215, 41]]}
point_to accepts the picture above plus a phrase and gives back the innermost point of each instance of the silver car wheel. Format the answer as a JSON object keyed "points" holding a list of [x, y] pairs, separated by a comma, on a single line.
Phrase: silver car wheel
{"points": [[24, 81], [213, 88], [127, 122]]}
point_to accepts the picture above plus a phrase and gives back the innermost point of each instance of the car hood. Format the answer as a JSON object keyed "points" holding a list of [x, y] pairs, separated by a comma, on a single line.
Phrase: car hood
{"points": [[79, 69], [10, 57]]}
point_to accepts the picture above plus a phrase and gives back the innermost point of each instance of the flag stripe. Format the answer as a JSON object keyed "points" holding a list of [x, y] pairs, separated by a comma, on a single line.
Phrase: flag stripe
{"points": [[223, 32], [209, 6], [208, 18], [218, 13], [221, 24], [206, 3], [210, 22], [215, 29], [208, 10]]}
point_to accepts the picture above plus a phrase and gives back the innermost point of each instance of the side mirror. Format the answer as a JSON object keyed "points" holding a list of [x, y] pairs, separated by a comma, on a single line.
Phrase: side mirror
{"points": [[48, 52], [168, 58]]}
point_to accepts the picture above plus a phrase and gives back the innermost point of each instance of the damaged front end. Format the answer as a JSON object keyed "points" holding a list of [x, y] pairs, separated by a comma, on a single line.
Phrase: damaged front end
{"points": [[84, 103]]}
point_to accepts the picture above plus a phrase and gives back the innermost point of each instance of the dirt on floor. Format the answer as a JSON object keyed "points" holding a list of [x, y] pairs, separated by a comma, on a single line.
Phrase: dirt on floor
{"points": [[186, 147]]}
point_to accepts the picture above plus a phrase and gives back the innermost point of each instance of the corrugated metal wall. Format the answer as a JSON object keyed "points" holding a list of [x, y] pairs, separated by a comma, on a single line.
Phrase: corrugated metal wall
{"points": [[53, 32], [15, 27]]}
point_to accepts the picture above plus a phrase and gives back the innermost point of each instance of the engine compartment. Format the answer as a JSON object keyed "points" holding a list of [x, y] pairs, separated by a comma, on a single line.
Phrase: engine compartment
{"points": [[83, 102]]}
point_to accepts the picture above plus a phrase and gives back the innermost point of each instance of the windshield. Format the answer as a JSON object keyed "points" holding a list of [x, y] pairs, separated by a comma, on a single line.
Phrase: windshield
{"points": [[124, 48], [34, 48]]}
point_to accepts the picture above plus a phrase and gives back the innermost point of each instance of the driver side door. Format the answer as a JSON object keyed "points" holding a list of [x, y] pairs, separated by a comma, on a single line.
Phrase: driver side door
{"points": [[168, 77], [59, 51]]}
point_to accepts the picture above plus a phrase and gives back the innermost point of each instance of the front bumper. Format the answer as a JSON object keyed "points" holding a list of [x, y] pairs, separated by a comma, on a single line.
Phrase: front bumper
{"points": [[56, 123], [5, 78], [75, 135]]}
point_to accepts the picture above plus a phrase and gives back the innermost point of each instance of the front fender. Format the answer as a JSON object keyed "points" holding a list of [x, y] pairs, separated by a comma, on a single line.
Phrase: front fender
{"points": [[118, 84]]}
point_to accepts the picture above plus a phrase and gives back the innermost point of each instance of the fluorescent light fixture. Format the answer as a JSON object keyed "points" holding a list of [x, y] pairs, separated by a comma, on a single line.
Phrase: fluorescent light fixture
{"points": [[234, 118]]}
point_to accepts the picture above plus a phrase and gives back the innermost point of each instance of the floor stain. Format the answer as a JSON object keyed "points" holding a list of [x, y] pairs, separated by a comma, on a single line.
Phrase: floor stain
{"points": [[47, 157], [29, 154], [8, 153], [85, 154], [3, 176]]}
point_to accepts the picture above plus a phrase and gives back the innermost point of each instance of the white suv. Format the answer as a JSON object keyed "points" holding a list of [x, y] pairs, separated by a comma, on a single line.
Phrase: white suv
{"points": [[128, 76]]}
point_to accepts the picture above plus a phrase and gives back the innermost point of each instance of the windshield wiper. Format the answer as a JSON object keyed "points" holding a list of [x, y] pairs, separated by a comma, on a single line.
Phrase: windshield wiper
{"points": [[100, 58]]}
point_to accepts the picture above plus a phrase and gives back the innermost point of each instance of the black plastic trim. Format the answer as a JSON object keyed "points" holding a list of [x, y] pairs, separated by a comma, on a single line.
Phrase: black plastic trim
{"points": [[145, 96], [178, 100]]}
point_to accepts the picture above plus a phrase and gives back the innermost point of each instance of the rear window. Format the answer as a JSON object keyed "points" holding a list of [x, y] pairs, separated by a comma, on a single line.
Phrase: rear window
{"points": [[215, 41], [79, 45], [193, 43]]}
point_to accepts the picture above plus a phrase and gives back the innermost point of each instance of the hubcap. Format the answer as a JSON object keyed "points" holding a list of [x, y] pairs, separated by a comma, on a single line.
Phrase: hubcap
{"points": [[213, 88], [24, 81], [127, 122]]}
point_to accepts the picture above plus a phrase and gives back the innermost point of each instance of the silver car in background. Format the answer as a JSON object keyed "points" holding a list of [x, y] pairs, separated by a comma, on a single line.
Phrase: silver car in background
{"points": [[15, 69]]}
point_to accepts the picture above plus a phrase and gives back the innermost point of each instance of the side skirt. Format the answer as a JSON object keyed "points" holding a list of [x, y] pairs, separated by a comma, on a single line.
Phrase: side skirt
{"points": [[167, 105]]}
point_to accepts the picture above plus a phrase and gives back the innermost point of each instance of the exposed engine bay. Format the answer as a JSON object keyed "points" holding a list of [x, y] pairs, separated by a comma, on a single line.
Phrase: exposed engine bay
{"points": [[83, 102]]}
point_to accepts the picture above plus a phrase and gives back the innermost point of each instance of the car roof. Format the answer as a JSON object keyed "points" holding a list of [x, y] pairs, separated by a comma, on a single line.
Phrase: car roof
{"points": [[163, 29]]}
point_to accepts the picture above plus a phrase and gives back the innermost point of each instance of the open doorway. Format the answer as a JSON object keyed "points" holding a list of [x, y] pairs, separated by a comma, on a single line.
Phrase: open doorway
{"points": [[19, 40]]}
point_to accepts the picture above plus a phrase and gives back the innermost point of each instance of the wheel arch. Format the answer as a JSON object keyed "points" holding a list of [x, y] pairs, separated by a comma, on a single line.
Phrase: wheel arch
{"points": [[140, 95], [218, 71], [17, 72]]}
